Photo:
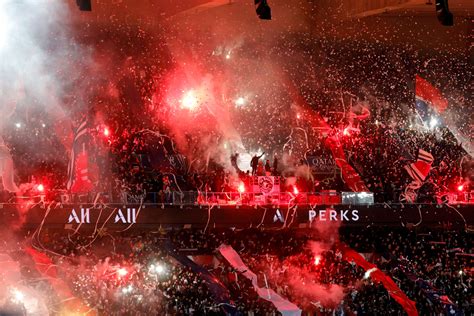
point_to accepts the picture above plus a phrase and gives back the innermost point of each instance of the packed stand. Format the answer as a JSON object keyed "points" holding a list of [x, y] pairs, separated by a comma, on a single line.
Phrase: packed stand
{"points": [[421, 264]]}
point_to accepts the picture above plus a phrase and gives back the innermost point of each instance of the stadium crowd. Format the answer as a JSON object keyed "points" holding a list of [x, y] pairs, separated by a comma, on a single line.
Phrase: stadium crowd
{"points": [[132, 150], [167, 109], [378, 155], [143, 274]]}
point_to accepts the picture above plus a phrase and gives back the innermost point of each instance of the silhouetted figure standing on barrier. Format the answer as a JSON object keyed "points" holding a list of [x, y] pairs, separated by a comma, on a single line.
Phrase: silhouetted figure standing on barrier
{"points": [[254, 163], [275, 165], [268, 168], [233, 162]]}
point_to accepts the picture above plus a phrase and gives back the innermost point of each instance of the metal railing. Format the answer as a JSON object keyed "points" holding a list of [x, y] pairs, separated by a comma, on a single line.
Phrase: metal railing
{"points": [[249, 198], [226, 198]]}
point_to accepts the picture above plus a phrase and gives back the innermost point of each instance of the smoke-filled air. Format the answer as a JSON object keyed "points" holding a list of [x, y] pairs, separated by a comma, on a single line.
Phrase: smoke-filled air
{"points": [[236, 157]]}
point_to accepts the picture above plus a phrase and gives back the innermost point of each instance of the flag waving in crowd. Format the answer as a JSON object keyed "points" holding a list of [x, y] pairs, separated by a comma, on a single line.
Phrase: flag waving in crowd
{"points": [[433, 106], [78, 168], [430, 95], [349, 174], [418, 171]]}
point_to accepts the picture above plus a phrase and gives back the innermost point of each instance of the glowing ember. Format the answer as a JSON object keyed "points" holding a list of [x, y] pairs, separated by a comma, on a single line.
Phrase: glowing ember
{"points": [[189, 100]]}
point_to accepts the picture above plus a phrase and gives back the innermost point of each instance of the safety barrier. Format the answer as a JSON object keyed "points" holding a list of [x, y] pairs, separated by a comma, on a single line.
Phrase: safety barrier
{"points": [[330, 197]]}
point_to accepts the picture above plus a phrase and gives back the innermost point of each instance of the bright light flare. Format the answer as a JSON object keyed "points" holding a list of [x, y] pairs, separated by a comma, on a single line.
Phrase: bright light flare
{"points": [[18, 125], [241, 187], [240, 101], [295, 190], [368, 273], [189, 100], [157, 269], [18, 296], [127, 290], [40, 188], [106, 132], [346, 132], [317, 260], [461, 187], [122, 272], [433, 122]]}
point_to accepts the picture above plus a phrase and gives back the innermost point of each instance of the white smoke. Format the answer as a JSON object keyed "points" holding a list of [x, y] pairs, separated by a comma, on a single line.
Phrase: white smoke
{"points": [[41, 65], [33, 44], [14, 290]]}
